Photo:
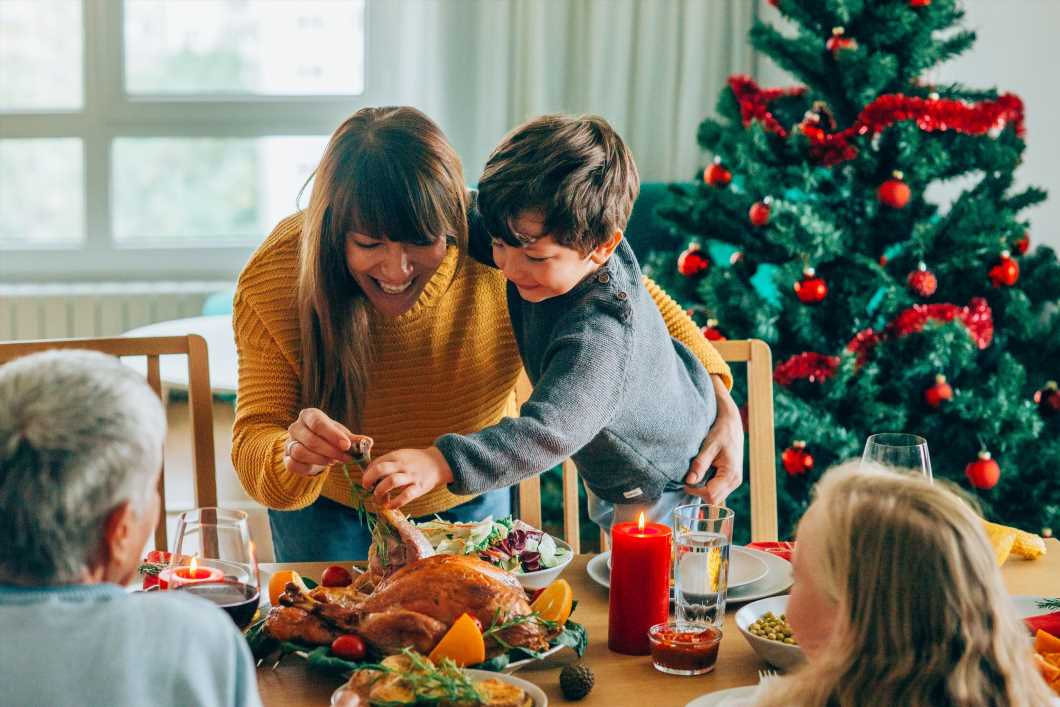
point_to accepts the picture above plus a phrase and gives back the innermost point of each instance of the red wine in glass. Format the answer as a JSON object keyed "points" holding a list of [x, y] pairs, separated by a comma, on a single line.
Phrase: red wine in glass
{"points": [[238, 599]]}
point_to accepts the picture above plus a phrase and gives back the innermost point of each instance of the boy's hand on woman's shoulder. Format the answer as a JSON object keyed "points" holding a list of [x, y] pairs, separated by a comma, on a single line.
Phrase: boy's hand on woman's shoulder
{"points": [[404, 475], [722, 449]]}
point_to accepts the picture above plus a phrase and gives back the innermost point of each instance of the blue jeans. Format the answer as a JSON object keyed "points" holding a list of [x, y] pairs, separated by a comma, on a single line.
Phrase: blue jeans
{"points": [[327, 530]]}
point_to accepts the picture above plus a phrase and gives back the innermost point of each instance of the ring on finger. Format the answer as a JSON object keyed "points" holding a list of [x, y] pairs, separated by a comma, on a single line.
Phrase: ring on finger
{"points": [[288, 446]]}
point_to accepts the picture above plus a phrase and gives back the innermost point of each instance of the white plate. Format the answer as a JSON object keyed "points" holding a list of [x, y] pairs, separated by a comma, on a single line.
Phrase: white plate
{"points": [[747, 569], [776, 581], [744, 567], [535, 692], [713, 699]]}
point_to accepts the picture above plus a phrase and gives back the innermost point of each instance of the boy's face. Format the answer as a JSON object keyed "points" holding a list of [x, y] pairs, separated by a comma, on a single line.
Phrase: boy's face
{"points": [[544, 269]]}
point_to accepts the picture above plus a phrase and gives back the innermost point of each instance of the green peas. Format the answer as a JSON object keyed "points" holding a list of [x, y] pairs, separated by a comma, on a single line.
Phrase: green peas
{"points": [[774, 628]]}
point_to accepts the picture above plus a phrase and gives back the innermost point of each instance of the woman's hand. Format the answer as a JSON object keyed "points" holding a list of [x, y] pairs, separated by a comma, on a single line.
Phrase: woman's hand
{"points": [[723, 448], [408, 472], [314, 442]]}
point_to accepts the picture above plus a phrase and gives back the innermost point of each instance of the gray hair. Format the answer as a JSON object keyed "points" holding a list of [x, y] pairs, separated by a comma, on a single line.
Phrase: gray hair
{"points": [[80, 434]]}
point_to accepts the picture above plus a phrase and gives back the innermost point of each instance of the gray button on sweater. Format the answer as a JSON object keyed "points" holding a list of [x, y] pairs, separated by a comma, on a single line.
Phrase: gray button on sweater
{"points": [[612, 389]]}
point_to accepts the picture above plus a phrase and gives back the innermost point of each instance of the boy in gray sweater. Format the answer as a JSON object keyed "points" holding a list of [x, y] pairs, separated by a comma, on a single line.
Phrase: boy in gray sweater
{"points": [[611, 388]]}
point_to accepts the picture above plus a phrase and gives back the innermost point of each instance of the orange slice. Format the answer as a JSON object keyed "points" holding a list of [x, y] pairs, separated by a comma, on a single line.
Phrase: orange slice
{"points": [[1046, 642], [555, 603], [462, 643], [280, 580]]}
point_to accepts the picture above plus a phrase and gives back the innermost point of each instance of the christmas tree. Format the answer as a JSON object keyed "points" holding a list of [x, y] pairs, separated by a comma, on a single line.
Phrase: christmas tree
{"points": [[812, 229]]}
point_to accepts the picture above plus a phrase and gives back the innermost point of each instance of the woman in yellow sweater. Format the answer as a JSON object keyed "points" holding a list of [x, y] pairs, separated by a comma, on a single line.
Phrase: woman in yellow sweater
{"points": [[363, 315]]}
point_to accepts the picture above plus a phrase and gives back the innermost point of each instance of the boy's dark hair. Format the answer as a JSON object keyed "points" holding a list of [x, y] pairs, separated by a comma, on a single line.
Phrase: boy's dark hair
{"points": [[575, 170]]}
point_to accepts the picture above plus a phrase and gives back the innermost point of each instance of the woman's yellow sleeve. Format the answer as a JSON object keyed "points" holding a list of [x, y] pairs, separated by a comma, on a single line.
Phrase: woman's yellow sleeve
{"points": [[269, 399], [684, 330]]}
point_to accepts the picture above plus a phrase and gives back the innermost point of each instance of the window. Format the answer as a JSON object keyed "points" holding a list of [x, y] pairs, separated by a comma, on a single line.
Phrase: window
{"points": [[164, 138]]}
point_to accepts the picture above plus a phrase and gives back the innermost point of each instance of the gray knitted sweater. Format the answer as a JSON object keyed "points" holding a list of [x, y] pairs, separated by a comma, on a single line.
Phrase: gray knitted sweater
{"points": [[612, 389]]}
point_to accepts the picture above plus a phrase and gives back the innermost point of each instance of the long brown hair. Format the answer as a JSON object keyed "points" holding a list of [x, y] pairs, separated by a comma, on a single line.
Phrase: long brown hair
{"points": [[923, 616], [387, 173]]}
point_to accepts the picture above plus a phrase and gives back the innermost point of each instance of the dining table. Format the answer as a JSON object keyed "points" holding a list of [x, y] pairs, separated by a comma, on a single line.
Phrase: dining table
{"points": [[620, 679]]}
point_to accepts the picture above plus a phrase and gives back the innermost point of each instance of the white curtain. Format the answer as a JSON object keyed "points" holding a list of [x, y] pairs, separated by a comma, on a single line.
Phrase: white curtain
{"points": [[653, 68]]}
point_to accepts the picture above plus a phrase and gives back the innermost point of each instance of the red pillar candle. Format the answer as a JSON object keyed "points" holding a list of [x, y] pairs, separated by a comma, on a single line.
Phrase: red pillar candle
{"points": [[640, 584]]}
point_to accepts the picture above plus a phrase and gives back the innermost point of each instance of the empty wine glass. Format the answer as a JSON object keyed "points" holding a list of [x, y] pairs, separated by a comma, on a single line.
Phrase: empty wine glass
{"points": [[898, 450], [214, 558]]}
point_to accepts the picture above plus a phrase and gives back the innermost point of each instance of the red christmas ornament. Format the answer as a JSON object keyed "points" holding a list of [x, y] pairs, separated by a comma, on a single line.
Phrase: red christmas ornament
{"points": [[809, 366], [1024, 244], [810, 289], [1006, 272], [796, 460], [837, 42], [717, 176], [759, 213], [984, 472], [692, 262], [938, 393], [919, 3], [894, 192], [1048, 399], [712, 332], [922, 281]]}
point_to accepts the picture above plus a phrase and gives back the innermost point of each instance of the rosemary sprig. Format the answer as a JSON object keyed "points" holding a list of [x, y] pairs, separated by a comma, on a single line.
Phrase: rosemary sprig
{"points": [[497, 626], [1049, 604], [427, 680]]}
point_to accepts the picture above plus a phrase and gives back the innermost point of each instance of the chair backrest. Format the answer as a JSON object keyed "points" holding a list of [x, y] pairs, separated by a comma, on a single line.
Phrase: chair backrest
{"points": [[199, 398], [761, 454]]}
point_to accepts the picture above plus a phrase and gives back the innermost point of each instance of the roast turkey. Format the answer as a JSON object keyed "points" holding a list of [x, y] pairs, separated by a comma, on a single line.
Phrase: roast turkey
{"points": [[409, 598]]}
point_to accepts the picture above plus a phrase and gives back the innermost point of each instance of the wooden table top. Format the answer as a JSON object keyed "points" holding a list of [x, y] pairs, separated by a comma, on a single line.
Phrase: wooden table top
{"points": [[620, 679]]}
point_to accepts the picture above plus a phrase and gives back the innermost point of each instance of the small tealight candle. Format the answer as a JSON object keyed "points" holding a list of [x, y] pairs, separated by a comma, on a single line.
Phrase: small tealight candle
{"points": [[640, 584], [191, 573]]}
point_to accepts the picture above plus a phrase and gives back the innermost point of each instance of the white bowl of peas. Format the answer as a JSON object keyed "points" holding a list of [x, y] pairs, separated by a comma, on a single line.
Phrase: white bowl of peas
{"points": [[764, 625]]}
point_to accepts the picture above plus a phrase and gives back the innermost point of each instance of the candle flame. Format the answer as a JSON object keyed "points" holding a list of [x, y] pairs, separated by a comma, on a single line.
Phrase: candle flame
{"points": [[640, 521], [194, 566]]}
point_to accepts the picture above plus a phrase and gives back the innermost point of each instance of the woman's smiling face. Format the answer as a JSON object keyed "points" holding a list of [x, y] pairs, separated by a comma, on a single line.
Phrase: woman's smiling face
{"points": [[392, 275]]}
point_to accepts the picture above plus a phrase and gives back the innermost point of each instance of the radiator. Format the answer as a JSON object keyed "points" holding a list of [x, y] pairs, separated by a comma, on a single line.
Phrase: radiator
{"points": [[33, 311]]}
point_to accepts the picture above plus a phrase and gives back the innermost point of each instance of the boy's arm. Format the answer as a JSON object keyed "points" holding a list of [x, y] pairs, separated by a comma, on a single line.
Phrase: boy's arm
{"points": [[684, 330], [575, 397]]}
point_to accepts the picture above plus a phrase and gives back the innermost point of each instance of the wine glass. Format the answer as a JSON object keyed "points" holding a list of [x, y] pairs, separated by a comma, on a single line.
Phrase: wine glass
{"points": [[214, 558], [898, 450]]}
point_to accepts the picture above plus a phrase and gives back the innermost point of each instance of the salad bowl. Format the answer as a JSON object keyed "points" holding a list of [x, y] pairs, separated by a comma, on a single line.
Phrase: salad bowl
{"points": [[532, 555]]}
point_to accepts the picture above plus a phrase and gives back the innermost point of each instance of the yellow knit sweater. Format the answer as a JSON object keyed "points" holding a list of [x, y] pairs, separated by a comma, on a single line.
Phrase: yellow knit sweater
{"points": [[449, 364]]}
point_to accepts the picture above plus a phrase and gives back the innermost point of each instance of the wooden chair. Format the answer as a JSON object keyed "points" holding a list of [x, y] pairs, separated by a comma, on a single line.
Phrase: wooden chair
{"points": [[199, 398], [761, 451]]}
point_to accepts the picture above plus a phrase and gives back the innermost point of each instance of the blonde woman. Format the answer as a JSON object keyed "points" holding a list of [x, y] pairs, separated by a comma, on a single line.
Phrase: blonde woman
{"points": [[363, 315], [898, 601]]}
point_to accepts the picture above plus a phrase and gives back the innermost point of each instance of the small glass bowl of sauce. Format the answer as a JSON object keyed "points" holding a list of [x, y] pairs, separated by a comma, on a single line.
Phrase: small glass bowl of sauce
{"points": [[684, 648]]}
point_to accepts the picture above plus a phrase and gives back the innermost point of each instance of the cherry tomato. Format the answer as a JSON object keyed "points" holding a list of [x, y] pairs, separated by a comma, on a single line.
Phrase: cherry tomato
{"points": [[348, 647], [336, 576]]}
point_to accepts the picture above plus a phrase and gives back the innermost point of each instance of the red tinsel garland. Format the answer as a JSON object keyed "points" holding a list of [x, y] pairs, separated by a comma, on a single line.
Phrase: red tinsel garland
{"points": [[862, 345], [976, 317], [930, 115], [814, 367]]}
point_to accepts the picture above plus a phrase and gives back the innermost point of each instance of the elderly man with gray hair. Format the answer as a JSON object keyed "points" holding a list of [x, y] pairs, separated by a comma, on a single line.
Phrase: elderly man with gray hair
{"points": [[80, 452]]}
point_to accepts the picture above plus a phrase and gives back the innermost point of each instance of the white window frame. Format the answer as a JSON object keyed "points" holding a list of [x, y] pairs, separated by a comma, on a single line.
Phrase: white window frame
{"points": [[109, 113]]}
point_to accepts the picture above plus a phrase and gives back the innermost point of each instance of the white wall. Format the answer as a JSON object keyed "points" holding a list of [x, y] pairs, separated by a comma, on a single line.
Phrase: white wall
{"points": [[1017, 51]]}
